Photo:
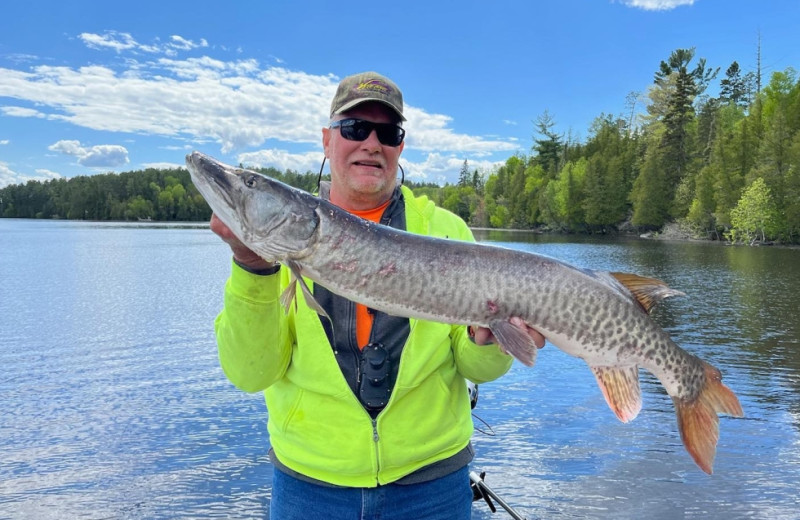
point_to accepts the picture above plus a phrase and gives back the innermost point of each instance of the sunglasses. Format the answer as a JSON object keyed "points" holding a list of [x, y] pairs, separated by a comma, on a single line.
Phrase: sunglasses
{"points": [[389, 134]]}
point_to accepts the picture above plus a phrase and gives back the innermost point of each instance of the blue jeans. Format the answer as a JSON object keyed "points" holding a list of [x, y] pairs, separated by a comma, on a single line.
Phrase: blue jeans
{"points": [[445, 498]]}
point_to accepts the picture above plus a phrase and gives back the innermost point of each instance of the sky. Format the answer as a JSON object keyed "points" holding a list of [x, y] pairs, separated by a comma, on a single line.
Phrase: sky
{"points": [[90, 87]]}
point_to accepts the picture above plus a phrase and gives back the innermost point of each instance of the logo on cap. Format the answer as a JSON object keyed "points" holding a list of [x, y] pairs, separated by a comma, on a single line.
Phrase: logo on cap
{"points": [[374, 85]]}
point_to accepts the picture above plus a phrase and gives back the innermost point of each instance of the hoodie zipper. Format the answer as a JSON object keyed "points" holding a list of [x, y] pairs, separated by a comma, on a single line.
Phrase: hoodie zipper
{"points": [[376, 438]]}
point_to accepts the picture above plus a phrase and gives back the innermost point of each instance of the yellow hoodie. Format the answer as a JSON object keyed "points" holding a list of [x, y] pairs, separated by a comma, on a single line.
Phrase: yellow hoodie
{"points": [[317, 425]]}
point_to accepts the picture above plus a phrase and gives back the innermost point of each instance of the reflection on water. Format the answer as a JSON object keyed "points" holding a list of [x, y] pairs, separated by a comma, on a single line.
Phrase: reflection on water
{"points": [[113, 405], [740, 314]]}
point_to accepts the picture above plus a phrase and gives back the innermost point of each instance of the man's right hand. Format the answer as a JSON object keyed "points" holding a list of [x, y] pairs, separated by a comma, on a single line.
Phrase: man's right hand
{"points": [[241, 253]]}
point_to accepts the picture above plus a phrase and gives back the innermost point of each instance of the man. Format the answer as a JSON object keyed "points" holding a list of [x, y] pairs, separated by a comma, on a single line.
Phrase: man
{"points": [[369, 414]]}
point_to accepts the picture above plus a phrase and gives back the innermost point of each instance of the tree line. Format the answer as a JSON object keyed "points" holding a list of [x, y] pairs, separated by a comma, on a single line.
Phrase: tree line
{"points": [[151, 194], [724, 167]]}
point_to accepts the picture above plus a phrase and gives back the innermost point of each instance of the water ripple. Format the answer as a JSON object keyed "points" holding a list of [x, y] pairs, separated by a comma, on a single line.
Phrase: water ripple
{"points": [[114, 406]]}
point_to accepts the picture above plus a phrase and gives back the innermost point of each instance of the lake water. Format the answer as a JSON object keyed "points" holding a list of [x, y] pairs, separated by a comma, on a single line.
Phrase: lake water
{"points": [[112, 404]]}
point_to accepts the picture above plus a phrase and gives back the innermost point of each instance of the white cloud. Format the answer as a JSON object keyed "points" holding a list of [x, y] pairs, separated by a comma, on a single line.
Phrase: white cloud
{"points": [[44, 174], [178, 42], [110, 40], [657, 5], [105, 156], [4, 141], [21, 112], [443, 169], [237, 103], [18, 57], [98, 156], [68, 147], [9, 176], [282, 160], [121, 41], [430, 132], [163, 165]]}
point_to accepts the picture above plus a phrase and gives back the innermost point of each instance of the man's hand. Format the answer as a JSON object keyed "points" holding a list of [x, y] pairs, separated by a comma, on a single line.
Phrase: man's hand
{"points": [[484, 336], [241, 253]]}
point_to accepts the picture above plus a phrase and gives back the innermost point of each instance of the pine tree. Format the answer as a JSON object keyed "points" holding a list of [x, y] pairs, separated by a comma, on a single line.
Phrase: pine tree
{"points": [[681, 87], [548, 148], [464, 177], [733, 88]]}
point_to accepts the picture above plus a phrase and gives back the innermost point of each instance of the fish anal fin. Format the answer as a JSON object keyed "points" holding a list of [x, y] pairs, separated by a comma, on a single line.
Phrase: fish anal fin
{"points": [[647, 291], [514, 340], [620, 387], [310, 300], [697, 418]]}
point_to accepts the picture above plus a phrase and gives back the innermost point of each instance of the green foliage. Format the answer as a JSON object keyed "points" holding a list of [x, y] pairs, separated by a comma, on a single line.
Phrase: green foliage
{"points": [[563, 199], [680, 86], [499, 217], [736, 88], [464, 177], [791, 208], [700, 216], [754, 217], [651, 192], [549, 147], [609, 174], [515, 185], [139, 208], [461, 200]]}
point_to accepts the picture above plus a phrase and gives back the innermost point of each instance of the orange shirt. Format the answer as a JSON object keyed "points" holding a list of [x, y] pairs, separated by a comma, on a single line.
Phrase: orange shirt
{"points": [[363, 317]]}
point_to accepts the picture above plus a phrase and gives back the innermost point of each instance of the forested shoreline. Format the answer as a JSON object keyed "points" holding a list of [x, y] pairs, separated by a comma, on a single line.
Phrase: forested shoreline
{"points": [[724, 167]]}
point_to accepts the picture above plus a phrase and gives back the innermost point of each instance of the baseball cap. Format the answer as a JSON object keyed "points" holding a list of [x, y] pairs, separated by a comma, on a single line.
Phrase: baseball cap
{"points": [[367, 86]]}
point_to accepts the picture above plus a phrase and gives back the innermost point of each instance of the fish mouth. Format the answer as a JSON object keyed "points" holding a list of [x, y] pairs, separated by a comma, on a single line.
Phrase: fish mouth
{"points": [[211, 174]]}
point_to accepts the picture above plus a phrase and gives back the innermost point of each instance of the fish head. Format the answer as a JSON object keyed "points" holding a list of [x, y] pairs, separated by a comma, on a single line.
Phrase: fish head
{"points": [[273, 219]]}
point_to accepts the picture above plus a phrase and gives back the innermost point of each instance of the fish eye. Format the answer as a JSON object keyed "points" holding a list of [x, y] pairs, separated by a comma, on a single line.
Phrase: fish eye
{"points": [[250, 181]]}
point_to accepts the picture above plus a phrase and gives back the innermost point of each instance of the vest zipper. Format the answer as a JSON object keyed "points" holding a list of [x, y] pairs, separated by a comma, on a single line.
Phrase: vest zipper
{"points": [[352, 341]]}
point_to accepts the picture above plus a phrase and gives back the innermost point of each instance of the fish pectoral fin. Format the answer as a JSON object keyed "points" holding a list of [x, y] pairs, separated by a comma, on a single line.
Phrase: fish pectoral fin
{"points": [[647, 291], [620, 387], [310, 300], [698, 421], [288, 295], [515, 341]]}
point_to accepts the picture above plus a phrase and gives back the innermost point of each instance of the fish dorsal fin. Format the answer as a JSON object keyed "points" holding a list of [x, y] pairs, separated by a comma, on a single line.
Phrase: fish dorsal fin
{"points": [[646, 291]]}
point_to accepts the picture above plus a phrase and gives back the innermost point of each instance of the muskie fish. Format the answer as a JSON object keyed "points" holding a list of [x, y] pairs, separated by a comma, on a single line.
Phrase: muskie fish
{"points": [[599, 317]]}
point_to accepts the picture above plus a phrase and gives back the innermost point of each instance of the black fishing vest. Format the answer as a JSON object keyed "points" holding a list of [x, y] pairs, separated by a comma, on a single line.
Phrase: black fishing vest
{"points": [[388, 332]]}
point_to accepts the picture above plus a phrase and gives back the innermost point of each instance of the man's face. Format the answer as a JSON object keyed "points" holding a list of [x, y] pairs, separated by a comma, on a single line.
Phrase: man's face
{"points": [[363, 173]]}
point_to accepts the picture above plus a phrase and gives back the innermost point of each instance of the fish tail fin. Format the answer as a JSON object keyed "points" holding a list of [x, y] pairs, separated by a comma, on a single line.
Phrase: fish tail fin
{"points": [[620, 387], [697, 418]]}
